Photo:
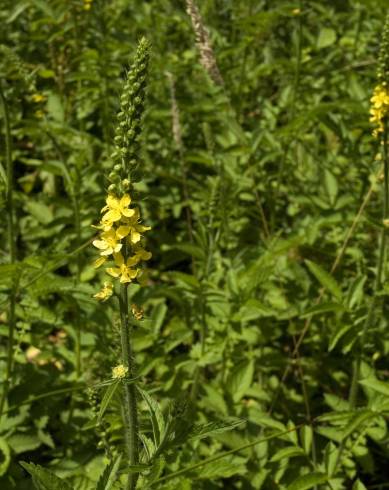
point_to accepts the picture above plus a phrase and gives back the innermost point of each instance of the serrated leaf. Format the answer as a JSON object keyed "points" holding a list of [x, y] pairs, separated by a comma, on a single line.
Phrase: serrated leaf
{"points": [[325, 279], [357, 421], [44, 479], [308, 481], [157, 419], [108, 477], [206, 430], [109, 393]]}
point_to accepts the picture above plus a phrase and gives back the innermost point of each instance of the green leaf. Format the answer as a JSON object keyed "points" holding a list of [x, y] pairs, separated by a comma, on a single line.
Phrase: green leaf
{"points": [[308, 481], [338, 335], [306, 436], [108, 477], [357, 421], [157, 419], [55, 108], [21, 443], [376, 385], [240, 380], [322, 308], [286, 453], [40, 211], [109, 393], [358, 485], [6, 456], [44, 479], [331, 453], [327, 36], [325, 279], [224, 468]]}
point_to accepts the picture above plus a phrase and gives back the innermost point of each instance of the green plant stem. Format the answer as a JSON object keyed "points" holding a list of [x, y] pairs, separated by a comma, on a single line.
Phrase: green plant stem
{"points": [[353, 396], [12, 251], [129, 390]]}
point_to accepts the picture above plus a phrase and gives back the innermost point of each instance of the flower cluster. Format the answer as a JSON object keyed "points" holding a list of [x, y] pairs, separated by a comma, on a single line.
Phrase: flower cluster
{"points": [[379, 108], [119, 372], [120, 241]]}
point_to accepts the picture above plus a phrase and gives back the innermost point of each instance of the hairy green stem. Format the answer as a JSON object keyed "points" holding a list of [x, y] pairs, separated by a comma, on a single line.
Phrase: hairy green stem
{"points": [[129, 390], [12, 251]]}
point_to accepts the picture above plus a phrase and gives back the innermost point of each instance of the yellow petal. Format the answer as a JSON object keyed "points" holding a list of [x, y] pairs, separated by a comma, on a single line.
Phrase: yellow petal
{"points": [[122, 231], [125, 201], [112, 201], [100, 244], [113, 271], [112, 215], [128, 213], [135, 236]]}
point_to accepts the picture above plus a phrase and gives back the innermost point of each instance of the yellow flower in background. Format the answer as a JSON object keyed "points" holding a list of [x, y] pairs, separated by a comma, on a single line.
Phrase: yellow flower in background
{"points": [[119, 372], [109, 243], [379, 108], [87, 4], [38, 98], [105, 293]]}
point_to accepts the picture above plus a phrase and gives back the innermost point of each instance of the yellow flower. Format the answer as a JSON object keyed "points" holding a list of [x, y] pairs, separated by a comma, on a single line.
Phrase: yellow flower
{"points": [[108, 243], [141, 254], [116, 209], [105, 293], [133, 229], [38, 98], [119, 372], [123, 270], [379, 108]]}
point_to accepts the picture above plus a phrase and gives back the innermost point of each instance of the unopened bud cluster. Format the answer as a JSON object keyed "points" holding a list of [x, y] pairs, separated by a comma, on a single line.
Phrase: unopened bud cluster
{"points": [[129, 123]]}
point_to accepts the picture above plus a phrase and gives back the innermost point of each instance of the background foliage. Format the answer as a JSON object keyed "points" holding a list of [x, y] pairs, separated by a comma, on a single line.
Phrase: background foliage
{"points": [[249, 209]]}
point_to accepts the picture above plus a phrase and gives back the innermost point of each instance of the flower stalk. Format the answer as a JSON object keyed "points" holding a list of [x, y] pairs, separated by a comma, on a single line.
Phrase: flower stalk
{"points": [[120, 240]]}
